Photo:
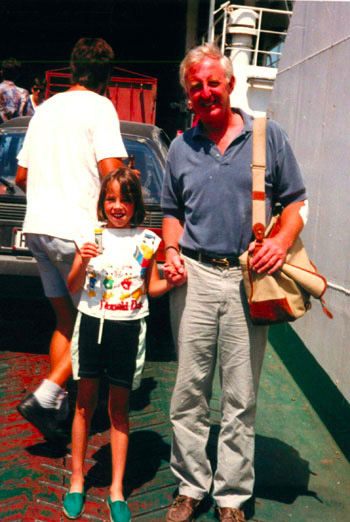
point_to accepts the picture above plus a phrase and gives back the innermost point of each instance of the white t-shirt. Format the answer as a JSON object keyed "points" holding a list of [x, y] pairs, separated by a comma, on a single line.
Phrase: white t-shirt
{"points": [[115, 281], [67, 136]]}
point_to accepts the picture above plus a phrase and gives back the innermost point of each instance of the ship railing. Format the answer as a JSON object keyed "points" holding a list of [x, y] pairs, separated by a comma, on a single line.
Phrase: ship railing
{"points": [[268, 41]]}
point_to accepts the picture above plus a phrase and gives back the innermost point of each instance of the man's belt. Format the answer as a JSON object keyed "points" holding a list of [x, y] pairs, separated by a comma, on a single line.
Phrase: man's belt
{"points": [[211, 259]]}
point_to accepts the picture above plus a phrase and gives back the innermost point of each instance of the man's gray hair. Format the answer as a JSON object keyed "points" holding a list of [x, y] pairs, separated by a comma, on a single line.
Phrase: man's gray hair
{"points": [[197, 55]]}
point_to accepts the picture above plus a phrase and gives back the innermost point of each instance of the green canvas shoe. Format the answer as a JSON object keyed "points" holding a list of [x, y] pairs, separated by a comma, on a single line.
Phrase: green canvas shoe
{"points": [[119, 510], [73, 505]]}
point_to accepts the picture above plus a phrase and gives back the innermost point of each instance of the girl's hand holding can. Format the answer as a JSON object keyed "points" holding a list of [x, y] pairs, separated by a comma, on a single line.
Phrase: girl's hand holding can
{"points": [[89, 250]]}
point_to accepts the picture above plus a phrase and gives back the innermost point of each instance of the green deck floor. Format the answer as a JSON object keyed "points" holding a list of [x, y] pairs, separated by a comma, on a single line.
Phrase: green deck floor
{"points": [[301, 473]]}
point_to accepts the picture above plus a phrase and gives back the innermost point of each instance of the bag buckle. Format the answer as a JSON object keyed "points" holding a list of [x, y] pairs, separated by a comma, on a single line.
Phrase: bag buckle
{"points": [[259, 231], [224, 262]]}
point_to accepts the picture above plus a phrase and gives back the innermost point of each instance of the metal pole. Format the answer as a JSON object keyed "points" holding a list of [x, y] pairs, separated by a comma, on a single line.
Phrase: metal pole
{"points": [[223, 42], [191, 23], [211, 21]]}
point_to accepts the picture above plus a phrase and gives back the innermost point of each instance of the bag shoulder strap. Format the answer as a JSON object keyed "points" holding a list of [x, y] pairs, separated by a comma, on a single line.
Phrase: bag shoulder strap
{"points": [[258, 175]]}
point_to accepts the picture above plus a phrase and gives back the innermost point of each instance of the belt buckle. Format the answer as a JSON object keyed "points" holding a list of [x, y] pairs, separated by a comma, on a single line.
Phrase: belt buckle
{"points": [[224, 262]]}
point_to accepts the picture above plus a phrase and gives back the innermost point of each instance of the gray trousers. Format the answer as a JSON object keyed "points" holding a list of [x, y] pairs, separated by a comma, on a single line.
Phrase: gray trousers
{"points": [[211, 321]]}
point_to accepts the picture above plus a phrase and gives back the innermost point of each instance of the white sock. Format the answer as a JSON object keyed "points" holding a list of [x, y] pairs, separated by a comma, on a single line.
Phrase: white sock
{"points": [[47, 394]]}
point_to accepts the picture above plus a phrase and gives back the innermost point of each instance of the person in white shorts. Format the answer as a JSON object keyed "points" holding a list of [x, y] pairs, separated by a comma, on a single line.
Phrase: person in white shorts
{"points": [[72, 141]]}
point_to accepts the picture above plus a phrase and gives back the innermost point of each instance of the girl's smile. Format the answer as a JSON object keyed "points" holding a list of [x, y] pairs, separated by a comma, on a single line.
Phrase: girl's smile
{"points": [[118, 209]]}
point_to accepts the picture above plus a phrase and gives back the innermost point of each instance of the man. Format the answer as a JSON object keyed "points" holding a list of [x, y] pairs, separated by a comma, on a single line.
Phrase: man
{"points": [[37, 96], [13, 99], [207, 225], [73, 139]]}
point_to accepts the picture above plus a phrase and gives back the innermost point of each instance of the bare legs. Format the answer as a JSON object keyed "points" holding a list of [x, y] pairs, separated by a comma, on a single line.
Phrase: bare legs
{"points": [[47, 407], [84, 410], [119, 416], [60, 358]]}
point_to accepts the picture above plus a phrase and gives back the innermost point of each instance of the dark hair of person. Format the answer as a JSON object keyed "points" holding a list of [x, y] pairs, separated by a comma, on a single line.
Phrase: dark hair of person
{"points": [[90, 62], [39, 83], [130, 187], [10, 69]]}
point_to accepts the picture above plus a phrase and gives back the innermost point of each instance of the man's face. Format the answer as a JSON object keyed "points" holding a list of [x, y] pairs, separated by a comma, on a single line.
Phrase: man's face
{"points": [[209, 91], [38, 94]]}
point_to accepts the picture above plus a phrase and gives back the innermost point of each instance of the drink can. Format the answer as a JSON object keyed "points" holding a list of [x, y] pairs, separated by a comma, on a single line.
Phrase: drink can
{"points": [[98, 239]]}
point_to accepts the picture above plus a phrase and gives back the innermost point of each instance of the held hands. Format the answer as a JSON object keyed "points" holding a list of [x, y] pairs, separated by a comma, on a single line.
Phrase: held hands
{"points": [[174, 270], [270, 257]]}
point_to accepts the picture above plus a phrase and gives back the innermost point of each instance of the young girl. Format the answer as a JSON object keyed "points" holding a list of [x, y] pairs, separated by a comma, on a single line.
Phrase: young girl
{"points": [[113, 303]]}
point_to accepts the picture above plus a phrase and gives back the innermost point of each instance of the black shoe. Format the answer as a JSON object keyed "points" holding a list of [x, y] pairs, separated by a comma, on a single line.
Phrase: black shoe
{"points": [[63, 412], [46, 420]]}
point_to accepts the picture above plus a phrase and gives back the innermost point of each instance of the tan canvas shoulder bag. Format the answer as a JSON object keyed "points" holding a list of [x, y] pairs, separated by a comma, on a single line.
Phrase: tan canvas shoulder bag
{"points": [[284, 295]]}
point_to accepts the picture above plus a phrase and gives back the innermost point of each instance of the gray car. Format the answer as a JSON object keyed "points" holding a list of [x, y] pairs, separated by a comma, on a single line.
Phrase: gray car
{"points": [[149, 145]]}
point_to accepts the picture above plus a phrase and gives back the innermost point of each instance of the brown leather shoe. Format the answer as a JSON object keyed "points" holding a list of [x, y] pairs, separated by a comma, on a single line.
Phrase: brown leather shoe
{"points": [[182, 509], [231, 515]]}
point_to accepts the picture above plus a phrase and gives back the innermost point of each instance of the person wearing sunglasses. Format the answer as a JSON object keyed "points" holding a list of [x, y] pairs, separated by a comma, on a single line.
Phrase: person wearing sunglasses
{"points": [[37, 96]]}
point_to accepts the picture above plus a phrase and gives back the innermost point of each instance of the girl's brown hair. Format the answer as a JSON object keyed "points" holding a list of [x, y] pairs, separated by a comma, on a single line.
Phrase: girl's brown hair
{"points": [[130, 187]]}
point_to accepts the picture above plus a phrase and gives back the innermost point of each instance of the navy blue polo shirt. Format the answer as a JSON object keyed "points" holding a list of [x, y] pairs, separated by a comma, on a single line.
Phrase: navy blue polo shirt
{"points": [[211, 193]]}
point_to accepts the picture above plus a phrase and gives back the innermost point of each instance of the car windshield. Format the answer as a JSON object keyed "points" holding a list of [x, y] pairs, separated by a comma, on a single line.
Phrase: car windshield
{"points": [[146, 161], [10, 145]]}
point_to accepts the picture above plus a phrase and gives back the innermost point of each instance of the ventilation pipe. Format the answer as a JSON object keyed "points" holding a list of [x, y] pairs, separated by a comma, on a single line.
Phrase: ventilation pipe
{"points": [[241, 28]]}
